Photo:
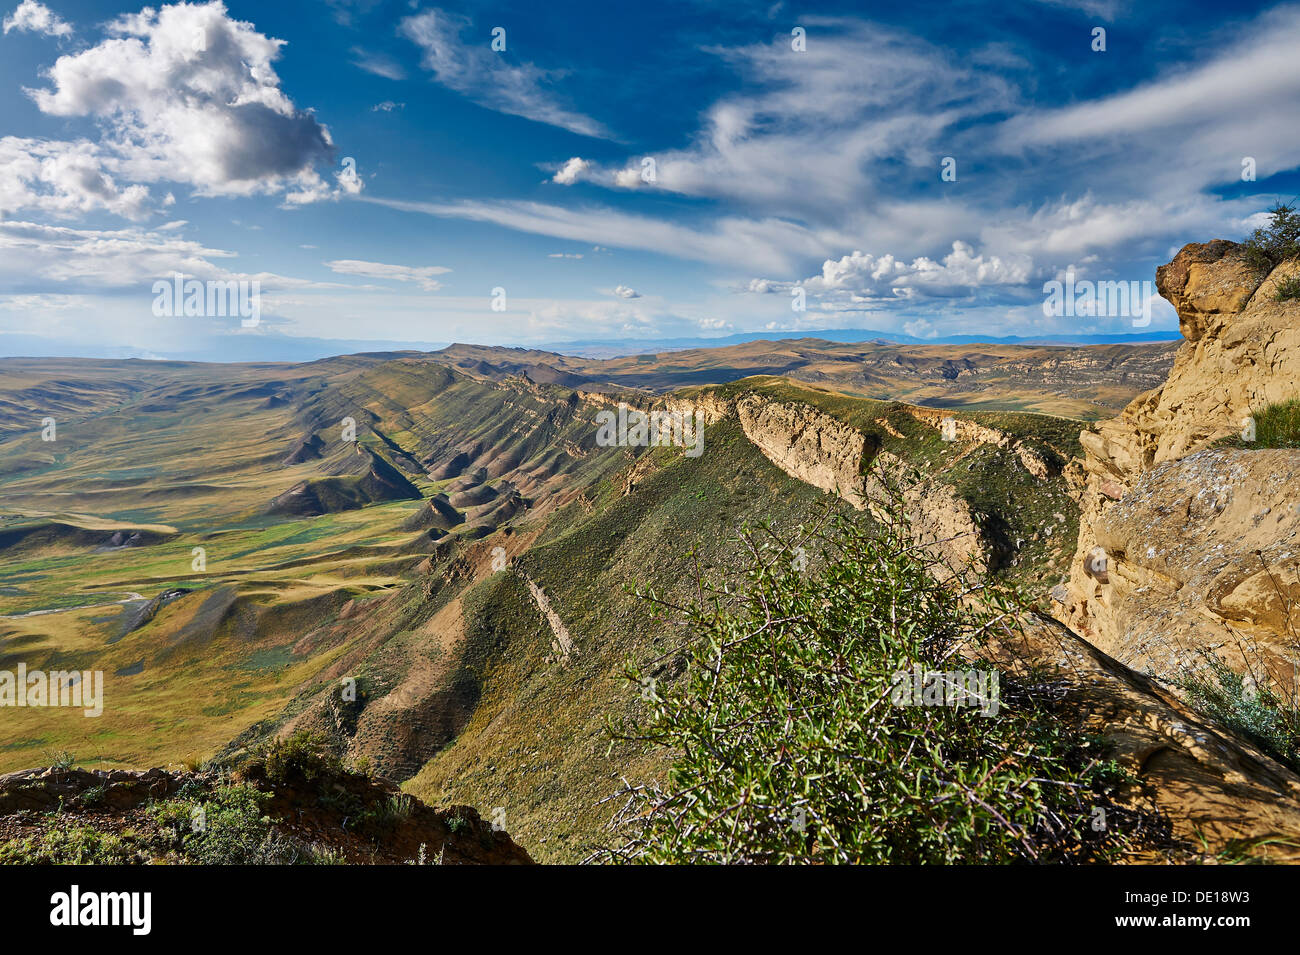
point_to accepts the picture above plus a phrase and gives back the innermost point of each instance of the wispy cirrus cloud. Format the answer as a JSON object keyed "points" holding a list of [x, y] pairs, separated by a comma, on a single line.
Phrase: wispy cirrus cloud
{"points": [[379, 64], [421, 275], [487, 77], [88, 260], [773, 244]]}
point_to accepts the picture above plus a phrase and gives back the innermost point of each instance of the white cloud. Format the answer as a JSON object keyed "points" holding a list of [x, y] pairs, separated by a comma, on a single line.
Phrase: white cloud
{"points": [[862, 98], [1103, 9], [34, 255], [387, 106], [862, 277], [48, 301], [64, 179], [573, 170], [622, 291], [378, 64], [487, 77], [772, 245], [422, 276], [33, 17], [1184, 131], [186, 94]]}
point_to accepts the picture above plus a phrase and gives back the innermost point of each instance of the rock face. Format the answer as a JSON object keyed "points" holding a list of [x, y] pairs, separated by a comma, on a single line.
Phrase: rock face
{"points": [[809, 445], [1180, 551], [1218, 793], [819, 449], [960, 429]]}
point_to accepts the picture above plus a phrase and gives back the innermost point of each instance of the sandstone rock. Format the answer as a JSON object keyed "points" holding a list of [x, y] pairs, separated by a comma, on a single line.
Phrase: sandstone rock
{"points": [[809, 445], [1181, 539], [1204, 282], [820, 450], [1203, 553]]}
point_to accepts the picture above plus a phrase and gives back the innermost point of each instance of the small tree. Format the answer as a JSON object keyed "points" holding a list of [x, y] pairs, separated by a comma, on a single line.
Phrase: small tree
{"points": [[1270, 245], [791, 745]]}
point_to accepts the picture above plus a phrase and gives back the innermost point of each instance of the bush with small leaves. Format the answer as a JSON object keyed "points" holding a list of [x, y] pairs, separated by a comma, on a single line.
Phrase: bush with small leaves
{"points": [[1270, 245], [792, 749]]}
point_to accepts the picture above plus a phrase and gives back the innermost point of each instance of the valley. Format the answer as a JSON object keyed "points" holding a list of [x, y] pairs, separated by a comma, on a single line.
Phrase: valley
{"points": [[430, 563], [210, 538]]}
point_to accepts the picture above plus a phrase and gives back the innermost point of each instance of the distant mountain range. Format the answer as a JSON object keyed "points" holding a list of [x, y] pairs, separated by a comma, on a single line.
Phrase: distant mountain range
{"points": [[276, 347], [608, 349]]}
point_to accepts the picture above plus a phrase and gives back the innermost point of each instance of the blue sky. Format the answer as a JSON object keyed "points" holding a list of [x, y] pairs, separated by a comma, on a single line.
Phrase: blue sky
{"points": [[379, 169]]}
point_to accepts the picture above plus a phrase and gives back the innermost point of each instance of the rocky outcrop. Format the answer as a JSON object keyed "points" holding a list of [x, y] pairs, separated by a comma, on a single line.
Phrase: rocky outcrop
{"points": [[325, 809], [1202, 554], [1179, 550], [963, 429], [821, 450], [809, 445]]}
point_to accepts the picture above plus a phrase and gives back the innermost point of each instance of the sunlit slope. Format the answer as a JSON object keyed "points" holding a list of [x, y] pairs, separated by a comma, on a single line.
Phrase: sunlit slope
{"points": [[1090, 381], [429, 567], [157, 534]]}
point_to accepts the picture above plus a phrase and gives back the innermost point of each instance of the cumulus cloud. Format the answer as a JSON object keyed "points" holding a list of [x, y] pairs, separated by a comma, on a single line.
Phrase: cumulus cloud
{"points": [[622, 291], [33, 17], [571, 171], [387, 106], [64, 179], [422, 276], [862, 277], [487, 77], [186, 94], [1157, 152]]}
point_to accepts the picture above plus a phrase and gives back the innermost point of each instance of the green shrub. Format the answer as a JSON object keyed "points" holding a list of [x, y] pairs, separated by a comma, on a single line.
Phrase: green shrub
{"points": [[791, 748], [92, 797], [1261, 715], [1270, 245], [62, 760], [1288, 288], [387, 814], [302, 757], [69, 843], [225, 827]]}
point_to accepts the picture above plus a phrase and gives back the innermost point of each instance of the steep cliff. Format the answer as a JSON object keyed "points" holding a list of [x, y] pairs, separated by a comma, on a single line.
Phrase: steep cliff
{"points": [[977, 494], [1183, 549]]}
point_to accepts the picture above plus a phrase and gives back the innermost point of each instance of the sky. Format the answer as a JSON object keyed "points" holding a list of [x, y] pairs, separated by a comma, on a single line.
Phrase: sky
{"points": [[396, 174]]}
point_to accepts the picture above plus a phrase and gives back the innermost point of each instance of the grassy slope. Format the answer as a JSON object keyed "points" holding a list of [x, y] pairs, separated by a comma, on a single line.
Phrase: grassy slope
{"points": [[537, 744], [262, 621]]}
